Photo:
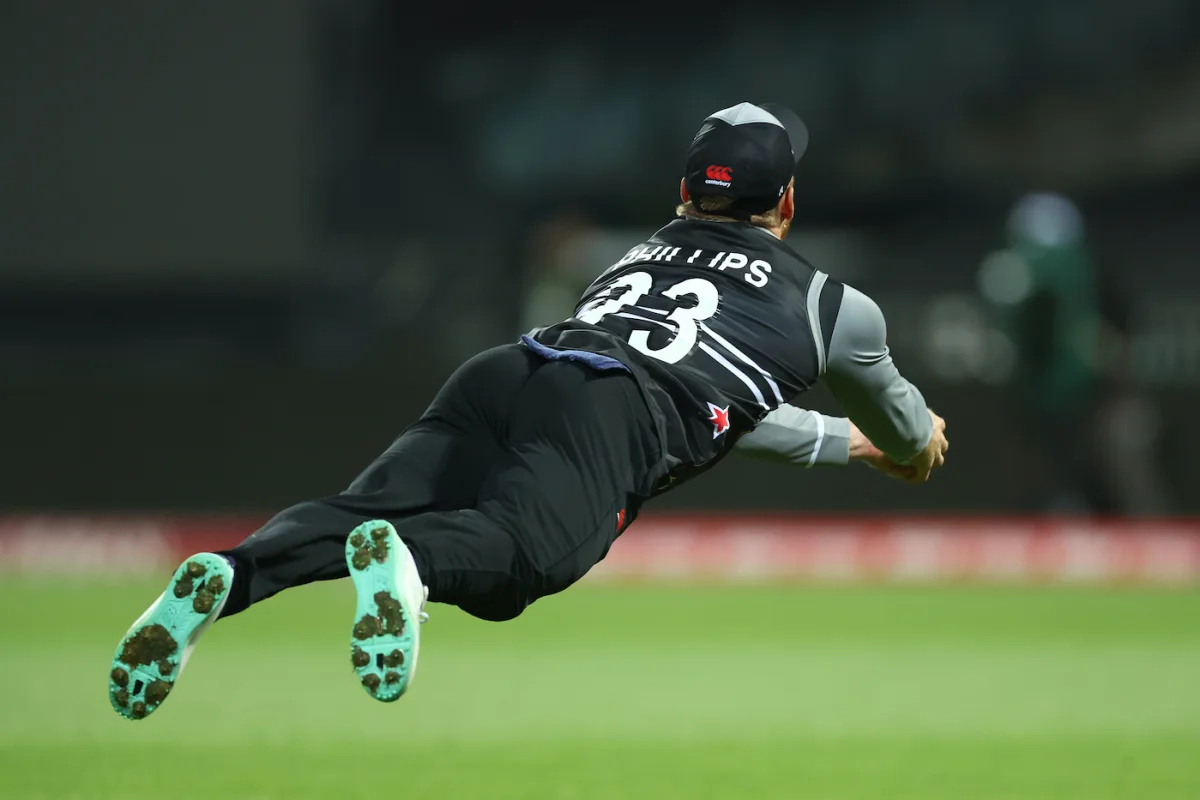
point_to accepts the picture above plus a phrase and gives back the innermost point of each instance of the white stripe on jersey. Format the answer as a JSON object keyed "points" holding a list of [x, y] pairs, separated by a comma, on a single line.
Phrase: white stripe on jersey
{"points": [[812, 459], [814, 316], [739, 354], [627, 315], [720, 359]]}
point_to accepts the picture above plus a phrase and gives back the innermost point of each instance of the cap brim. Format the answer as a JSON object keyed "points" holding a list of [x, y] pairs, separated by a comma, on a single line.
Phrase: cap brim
{"points": [[797, 131]]}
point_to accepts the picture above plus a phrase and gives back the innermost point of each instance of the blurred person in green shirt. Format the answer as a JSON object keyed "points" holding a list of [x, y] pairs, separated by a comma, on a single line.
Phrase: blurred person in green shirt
{"points": [[1068, 327]]}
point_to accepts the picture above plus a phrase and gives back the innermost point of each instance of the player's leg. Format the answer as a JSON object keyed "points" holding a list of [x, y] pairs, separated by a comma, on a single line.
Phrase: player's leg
{"points": [[582, 453], [306, 542], [438, 463]]}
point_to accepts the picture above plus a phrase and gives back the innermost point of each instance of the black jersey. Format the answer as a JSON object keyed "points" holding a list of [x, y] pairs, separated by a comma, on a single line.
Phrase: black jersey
{"points": [[714, 320]]}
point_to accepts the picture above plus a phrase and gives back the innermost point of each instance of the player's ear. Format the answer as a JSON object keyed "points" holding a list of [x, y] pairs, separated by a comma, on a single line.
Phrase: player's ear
{"points": [[787, 204], [683, 192]]}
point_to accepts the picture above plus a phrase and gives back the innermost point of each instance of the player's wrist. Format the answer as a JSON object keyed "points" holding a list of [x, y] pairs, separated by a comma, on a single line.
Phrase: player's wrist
{"points": [[861, 448]]}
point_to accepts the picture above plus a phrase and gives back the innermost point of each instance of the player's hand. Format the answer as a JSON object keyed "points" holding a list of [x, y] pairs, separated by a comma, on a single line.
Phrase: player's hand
{"points": [[934, 454], [902, 472], [862, 449]]}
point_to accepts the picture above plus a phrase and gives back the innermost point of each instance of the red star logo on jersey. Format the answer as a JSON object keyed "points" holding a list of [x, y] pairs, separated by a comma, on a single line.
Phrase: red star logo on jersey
{"points": [[719, 419]]}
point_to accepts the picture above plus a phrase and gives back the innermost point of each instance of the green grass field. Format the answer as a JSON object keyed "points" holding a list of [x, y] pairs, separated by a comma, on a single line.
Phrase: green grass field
{"points": [[627, 692]]}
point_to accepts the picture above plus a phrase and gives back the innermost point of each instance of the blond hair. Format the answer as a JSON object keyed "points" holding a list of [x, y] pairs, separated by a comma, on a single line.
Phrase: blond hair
{"points": [[712, 206]]}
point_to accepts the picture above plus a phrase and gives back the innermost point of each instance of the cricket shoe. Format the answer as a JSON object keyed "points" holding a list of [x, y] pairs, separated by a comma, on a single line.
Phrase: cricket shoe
{"points": [[386, 638], [155, 650]]}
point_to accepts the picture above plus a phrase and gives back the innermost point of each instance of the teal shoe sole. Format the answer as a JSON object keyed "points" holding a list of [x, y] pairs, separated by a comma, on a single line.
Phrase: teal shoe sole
{"points": [[151, 655], [384, 638]]}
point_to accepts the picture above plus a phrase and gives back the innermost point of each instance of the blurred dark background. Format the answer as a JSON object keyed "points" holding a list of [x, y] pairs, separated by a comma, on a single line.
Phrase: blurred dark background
{"points": [[241, 244]]}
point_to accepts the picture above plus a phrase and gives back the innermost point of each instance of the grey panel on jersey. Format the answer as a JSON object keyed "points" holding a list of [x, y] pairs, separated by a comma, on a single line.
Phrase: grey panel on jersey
{"points": [[798, 436], [859, 371]]}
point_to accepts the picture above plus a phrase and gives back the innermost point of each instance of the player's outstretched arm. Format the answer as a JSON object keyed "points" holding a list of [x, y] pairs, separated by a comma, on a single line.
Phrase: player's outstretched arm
{"points": [[792, 435], [888, 409]]}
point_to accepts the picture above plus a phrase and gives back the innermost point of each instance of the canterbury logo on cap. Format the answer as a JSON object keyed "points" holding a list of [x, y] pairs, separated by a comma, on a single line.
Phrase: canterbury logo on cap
{"points": [[719, 176]]}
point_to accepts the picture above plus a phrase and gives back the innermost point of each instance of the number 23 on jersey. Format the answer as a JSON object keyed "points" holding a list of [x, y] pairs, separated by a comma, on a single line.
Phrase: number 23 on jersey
{"points": [[621, 298]]}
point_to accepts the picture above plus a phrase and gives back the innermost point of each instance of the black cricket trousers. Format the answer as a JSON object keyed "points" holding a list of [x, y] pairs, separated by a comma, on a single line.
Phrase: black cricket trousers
{"points": [[511, 486]]}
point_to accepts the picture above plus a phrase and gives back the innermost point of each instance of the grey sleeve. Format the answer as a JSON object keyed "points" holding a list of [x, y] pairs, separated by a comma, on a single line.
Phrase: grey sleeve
{"points": [[859, 371], [798, 436]]}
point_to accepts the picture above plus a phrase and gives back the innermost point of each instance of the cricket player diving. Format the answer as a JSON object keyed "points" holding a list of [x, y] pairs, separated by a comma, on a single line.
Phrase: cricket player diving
{"points": [[535, 456]]}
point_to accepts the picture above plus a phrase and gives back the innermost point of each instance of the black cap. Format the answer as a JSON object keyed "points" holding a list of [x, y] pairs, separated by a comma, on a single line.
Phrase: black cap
{"points": [[746, 152]]}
